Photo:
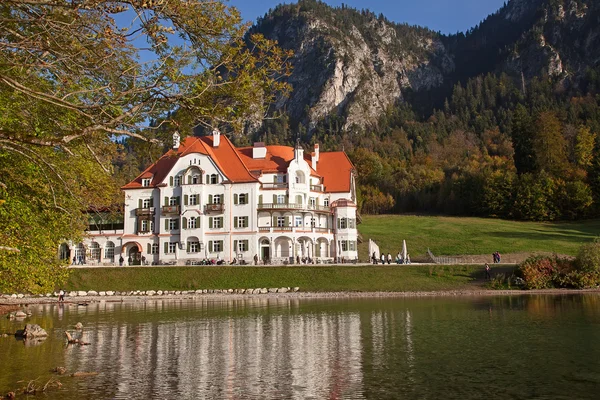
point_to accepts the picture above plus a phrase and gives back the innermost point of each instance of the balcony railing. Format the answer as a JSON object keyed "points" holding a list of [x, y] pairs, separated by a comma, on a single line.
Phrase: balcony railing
{"points": [[144, 211], [317, 188], [274, 185], [264, 229], [170, 209], [214, 208], [283, 228], [297, 229], [292, 206]]}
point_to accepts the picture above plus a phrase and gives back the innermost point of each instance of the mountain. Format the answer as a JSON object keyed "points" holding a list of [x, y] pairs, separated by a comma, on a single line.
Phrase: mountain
{"points": [[354, 65]]}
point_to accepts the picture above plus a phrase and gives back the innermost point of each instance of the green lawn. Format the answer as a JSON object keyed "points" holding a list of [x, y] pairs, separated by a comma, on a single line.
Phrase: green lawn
{"points": [[313, 279], [469, 236]]}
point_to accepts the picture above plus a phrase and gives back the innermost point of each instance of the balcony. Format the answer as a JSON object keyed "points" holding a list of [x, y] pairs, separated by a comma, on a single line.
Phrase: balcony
{"points": [[317, 188], [283, 228], [274, 185], [292, 206], [214, 208], [165, 210], [148, 211]]}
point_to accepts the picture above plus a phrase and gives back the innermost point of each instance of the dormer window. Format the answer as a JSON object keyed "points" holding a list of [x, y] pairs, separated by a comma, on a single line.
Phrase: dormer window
{"points": [[146, 182], [214, 179], [195, 179]]}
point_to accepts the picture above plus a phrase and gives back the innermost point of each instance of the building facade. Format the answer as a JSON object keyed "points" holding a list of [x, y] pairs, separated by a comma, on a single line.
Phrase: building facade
{"points": [[207, 199]]}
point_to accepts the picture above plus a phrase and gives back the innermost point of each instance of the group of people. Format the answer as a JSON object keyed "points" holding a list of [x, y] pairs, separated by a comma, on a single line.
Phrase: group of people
{"points": [[383, 259], [496, 257]]}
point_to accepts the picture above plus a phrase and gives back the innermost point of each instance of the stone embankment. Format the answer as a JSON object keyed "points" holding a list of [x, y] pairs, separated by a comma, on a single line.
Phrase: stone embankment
{"points": [[79, 294]]}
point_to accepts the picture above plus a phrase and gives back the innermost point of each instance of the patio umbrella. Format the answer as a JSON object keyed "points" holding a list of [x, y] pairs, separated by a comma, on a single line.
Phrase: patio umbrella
{"points": [[404, 252]]}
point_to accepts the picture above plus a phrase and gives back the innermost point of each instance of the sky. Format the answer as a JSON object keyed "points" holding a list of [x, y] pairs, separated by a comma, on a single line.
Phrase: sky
{"points": [[447, 16]]}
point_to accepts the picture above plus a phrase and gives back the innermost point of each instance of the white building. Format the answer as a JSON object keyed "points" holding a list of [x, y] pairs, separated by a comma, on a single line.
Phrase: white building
{"points": [[207, 199]]}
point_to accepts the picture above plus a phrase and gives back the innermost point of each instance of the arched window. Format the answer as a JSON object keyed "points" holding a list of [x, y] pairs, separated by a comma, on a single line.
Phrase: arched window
{"points": [[95, 251], [109, 251]]}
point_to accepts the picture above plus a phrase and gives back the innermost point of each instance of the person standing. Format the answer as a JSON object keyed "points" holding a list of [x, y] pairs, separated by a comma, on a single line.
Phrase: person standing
{"points": [[61, 296], [488, 274], [383, 258], [256, 259], [389, 258]]}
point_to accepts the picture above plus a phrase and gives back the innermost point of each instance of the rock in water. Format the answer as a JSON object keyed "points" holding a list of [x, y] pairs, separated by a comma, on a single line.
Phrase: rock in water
{"points": [[31, 331]]}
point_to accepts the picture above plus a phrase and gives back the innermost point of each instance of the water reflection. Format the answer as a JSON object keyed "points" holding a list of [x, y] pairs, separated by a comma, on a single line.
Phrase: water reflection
{"points": [[300, 348]]}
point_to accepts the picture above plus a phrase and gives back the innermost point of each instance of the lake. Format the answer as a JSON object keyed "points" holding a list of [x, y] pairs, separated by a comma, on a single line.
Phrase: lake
{"points": [[500, 347]]}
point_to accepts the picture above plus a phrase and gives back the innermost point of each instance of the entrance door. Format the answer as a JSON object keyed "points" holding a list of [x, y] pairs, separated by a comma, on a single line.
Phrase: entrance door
{"points": [[134, 256], [265, 254]]}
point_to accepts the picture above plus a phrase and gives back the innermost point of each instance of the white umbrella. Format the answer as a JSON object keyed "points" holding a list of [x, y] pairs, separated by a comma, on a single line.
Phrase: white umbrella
{"points": [[404, 252]]}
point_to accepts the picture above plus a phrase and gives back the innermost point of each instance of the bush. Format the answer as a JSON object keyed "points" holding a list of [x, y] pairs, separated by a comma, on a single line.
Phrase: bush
{"points": [[588, 258], [542, 272]]}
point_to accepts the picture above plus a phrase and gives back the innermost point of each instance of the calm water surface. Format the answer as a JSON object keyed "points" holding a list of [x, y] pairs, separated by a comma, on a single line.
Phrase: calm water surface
{"points": [[513, 347]]}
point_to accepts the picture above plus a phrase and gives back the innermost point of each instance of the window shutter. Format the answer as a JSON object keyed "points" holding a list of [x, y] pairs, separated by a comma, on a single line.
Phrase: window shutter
{"points": [[166, 247], [235, 247], [260, 199], [218, 177], [151, 201], [178, 200], [274, 178], [166, 224], [287, 198], [235, 222], [171, 180], [210, 222], [188, 247], [287, 221], [210, 198], [318, 201], [274, 221], [140, 203], [210, 246], [235, 199], [274, 199], [189, 181], [339, 224], [184, 223], [166, 201], [246, 244], [149, 248], [185, 199]]}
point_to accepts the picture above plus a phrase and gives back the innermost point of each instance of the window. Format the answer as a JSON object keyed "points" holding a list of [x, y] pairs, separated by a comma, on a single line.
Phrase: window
{"points": [[146, 203], [109, 250], [352, 246], [174, 201], [280, 199], [95, 251], [192, 223], [326, 202], [146, 182], [171, 247], [145, 226], [280, 221], [344, 245], [178, 180], [196, 179], [342, 223], [193, 199], [351, 223], [241, 198], [154, 248], [214, 246], [214, 179], [173, 224], [240, 246], [313, 222], [298, 220], [215, 222], [193, 246], [216, 199], [240, 222], [312, 201]]}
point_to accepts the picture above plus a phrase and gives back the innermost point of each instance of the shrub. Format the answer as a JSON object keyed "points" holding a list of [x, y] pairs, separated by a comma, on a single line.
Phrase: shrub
{"points": [[588, 258], [541, 272]]}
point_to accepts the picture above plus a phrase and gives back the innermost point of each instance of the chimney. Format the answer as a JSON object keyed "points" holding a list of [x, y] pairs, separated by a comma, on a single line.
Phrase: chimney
{"points": [[176, 140], [315, 157], [259, 150], [216, 138]]}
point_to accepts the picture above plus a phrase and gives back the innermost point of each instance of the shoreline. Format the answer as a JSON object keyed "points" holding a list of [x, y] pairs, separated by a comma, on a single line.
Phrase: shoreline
{"points": [[12, 302]]}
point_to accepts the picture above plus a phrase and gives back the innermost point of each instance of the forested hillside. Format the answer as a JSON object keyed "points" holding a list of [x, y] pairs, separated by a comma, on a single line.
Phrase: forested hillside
{"points": [[507, 125]]}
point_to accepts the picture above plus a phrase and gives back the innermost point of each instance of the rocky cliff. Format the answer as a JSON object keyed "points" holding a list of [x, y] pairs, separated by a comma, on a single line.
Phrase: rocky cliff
{"points": [[355, 65]]}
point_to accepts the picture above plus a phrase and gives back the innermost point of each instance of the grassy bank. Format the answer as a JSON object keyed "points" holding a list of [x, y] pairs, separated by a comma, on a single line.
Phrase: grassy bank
{"points": [[463, 236], [314, 279]]}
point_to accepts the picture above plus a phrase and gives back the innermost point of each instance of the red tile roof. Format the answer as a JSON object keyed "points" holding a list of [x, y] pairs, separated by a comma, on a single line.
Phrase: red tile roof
{"points": [[334, 167]]}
